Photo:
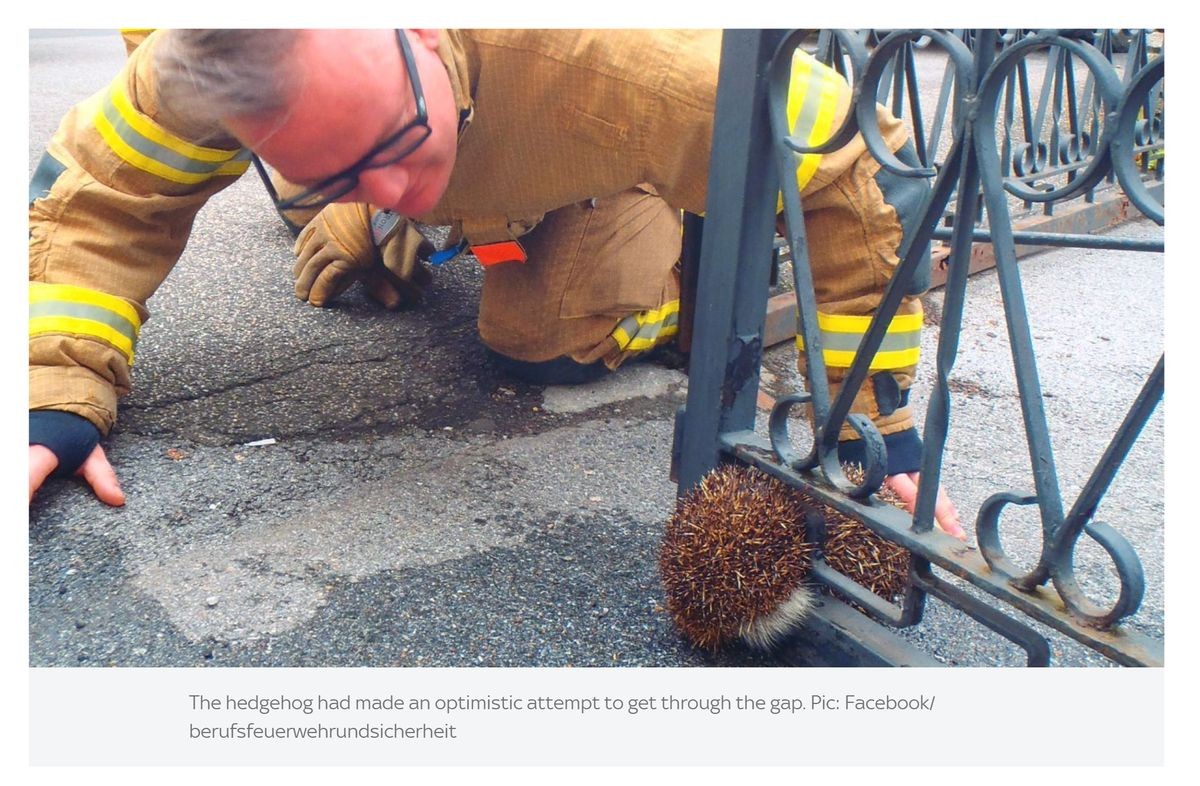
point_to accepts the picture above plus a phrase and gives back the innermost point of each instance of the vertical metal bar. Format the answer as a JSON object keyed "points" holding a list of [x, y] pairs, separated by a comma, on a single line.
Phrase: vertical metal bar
{"points": [[898, 81], [928, 153], [735, 256], [1041, 454], [1114, 455], [1031, 133], [689, 274], [1006, 145], [937, 419], [1090, 108], [1053, 56], [1056, 111], [1020, 334], [1075, 154], [914, 99]]}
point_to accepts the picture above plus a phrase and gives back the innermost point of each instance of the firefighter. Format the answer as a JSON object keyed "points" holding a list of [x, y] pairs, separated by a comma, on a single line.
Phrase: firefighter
{"points": [[560, 158]]}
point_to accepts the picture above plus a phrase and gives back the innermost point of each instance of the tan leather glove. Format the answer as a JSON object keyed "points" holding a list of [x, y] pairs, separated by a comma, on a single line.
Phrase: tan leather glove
{"points": [[399, 278], [336, 249]]}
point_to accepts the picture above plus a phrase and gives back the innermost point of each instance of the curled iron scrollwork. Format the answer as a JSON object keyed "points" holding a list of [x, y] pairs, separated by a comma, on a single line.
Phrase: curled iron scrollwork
{"points": [[1083, 136], [1135, 131]]}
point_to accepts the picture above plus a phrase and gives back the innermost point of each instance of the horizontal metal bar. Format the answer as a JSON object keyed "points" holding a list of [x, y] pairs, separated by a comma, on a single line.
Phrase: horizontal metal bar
{"points": [[1044, 605], [1063, 240], [1037, 649], [1111, 210], [835, 634], [875, 606]]}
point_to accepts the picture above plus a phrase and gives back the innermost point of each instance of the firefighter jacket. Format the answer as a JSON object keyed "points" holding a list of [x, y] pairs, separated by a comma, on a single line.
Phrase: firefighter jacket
{"points": [[549, 118]]}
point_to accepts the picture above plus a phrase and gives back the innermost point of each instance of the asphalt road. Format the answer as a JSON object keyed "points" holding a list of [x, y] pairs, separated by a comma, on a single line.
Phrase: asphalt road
{"points": [[416, 507]]}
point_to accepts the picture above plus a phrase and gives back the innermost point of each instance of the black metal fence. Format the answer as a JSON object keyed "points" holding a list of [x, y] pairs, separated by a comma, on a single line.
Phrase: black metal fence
{"points": [[996, 142]]}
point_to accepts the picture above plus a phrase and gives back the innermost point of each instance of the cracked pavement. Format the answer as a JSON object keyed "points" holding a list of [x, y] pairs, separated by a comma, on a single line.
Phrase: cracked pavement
{"points": [[416, 507]]}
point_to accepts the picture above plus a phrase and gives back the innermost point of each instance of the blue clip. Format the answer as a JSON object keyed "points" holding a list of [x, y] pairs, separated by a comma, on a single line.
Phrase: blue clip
{"points": [[439, 258]]}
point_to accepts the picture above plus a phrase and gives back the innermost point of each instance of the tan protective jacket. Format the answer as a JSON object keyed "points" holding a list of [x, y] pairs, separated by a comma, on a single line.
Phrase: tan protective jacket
{"points": [[555, 117]]}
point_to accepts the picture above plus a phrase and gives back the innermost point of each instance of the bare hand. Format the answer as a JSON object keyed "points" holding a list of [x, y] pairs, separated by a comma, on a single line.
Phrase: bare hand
{"points": [[95, 469], [945, 514]]}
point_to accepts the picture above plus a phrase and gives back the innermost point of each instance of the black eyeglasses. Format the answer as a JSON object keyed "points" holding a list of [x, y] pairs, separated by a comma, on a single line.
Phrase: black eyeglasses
{"points": [[389, 151]]}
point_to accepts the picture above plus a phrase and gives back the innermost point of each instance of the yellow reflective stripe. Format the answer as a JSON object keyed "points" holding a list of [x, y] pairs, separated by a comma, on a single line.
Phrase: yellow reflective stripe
{"points": [[63, 308], [642, 343], [883, 361], [144, 144], [159, 135], [41, 292], [841, 335], [39, 326], [142, 162], [812, 109], [802, 83], [849, 323], [645, 329], [798, 88], [822, 130]]}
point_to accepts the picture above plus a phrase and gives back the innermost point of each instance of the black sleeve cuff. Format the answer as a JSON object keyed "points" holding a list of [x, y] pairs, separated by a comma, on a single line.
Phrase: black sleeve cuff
{"points": [[904, 450], [70, 437]]}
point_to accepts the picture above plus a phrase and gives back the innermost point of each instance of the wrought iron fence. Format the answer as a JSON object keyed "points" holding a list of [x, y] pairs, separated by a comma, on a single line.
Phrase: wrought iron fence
{"points": [[988, 145]]}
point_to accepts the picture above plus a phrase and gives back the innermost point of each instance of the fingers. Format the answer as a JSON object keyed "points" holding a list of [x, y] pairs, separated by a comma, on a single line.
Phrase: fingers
{"points": [[305, 274], [322, 280], [409, 281], [945, 513], [421, 277], [95, 469], [42, 462], [308, 267], [905, 488], [304, 250], [403, 251], [381, 290], [100, 475], [333, 280], [322, 276]]}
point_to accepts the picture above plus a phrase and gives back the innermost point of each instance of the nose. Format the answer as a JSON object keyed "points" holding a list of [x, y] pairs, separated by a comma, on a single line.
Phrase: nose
{"points": [[384, 187]]}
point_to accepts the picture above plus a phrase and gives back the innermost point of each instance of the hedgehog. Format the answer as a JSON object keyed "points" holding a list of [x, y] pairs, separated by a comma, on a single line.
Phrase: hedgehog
{"points": [[735, 558]]}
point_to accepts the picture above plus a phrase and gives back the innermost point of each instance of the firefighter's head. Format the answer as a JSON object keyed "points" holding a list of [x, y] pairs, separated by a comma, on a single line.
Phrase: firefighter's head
{"points": [[334, 110]]}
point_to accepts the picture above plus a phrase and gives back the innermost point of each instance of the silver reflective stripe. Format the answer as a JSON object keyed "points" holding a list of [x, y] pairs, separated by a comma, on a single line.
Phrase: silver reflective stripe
{"points": [[806, 121], [631, 333], [62, 308], [848, 342], [163, 155]]}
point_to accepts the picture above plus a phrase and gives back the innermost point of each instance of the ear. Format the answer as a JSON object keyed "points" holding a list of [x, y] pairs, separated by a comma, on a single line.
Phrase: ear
{"points": [[428, 38]]}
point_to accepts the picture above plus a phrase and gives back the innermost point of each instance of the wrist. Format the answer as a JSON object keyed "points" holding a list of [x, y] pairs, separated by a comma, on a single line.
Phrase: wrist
{"points": [[70, 437], [904, 451]]}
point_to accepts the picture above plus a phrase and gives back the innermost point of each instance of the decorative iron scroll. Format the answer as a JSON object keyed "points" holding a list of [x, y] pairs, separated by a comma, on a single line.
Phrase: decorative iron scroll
{"points": [[1004, 148]]}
